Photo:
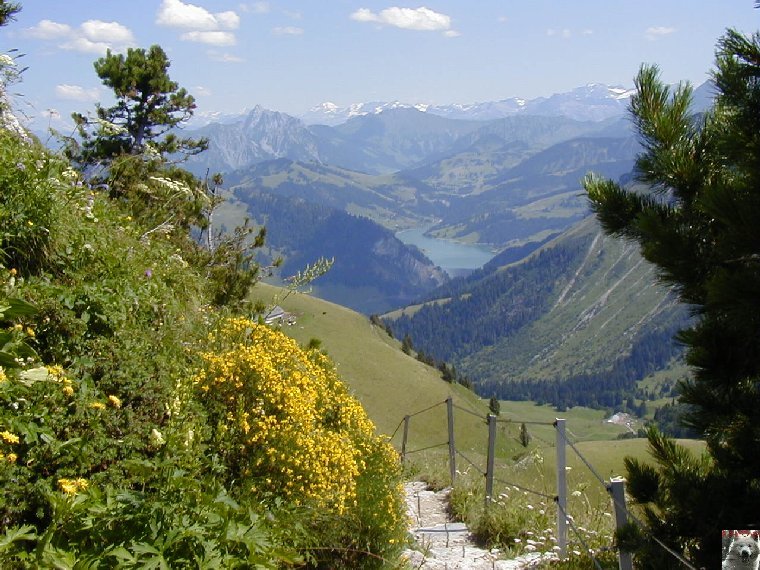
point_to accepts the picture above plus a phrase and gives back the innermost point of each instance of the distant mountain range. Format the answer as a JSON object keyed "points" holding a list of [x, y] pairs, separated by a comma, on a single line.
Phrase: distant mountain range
{"points": [[592, 102]]}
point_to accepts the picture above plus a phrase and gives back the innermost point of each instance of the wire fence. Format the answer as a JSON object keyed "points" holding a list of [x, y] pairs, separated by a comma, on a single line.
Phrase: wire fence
{"points": [[614, 488]]}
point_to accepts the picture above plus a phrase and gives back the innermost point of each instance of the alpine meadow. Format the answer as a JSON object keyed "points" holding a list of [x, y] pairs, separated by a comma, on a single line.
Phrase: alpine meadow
{"points": [[516, 333]]}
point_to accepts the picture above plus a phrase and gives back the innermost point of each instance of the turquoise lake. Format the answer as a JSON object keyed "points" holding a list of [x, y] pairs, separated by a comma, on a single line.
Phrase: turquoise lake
{"points": [[453, 257]]}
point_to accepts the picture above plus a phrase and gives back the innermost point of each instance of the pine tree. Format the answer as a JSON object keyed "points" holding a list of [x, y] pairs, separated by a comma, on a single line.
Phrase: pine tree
{"points": [[148, 106], [494, 406], [698, 224], [8, 11], [525, 436], [406, 344]]}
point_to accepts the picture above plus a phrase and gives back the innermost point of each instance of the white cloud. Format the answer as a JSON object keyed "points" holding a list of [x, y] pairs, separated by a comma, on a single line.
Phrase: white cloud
{"points": [[451, 34], [216, 38], [655, 32], [109, 32], [287, 31], [48, 30], [565, 33], [587, 32], [422, 19], [201, 90], [92, 36], [225, 57], [76, 92], [255, 7], [177, 14], [84, 45], [228, 20]]}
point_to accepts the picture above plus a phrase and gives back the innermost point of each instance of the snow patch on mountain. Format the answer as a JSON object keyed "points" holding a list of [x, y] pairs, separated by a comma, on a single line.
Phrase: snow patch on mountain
{"points": [[591, 102]]}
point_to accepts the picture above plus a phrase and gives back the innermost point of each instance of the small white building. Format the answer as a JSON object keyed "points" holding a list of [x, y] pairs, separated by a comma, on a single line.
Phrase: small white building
{"points": [[279, 315]]}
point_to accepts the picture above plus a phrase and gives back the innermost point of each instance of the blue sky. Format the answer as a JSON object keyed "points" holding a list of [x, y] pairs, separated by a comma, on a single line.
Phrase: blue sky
{"points": [[290, 55]]}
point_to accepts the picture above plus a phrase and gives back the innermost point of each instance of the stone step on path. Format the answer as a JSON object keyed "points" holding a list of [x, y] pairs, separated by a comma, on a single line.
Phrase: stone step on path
{"points": [[442, 544]]}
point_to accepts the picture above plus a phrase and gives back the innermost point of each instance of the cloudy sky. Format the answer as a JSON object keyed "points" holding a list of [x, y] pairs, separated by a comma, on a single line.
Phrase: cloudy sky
{"points": [[290, 55]]}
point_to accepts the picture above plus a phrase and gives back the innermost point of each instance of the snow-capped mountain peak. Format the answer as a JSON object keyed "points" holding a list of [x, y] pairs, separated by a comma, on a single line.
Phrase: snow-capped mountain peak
{"points": [[591, 102]]}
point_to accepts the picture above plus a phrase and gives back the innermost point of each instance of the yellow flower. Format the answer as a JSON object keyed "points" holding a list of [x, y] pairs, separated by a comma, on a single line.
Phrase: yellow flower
{"points": [[68, 389], [98, 406], [9, 437], [72, 486], [301, 432], [114, 401], [55, 371], [11, 458], [30, 332], [3, 377]]}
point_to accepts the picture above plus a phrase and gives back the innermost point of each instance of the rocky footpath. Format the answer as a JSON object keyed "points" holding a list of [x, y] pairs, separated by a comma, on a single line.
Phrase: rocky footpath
{"points": [[442, 544]]}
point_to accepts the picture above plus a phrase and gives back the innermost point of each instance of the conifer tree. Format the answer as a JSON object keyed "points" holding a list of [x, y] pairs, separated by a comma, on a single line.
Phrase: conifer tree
{"points": [[698, 224], [8, 11], [494, 406], [148, 106], [525, 436]]}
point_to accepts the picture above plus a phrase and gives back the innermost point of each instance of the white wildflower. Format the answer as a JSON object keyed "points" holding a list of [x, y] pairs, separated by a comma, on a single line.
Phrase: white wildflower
{"points": [[156, 438]]}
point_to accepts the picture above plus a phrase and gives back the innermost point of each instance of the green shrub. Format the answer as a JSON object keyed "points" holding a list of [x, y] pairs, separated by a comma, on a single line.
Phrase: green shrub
{"points": [[32, 182]]}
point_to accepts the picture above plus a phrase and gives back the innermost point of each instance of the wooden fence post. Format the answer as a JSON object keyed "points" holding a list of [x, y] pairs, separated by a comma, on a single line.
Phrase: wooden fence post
{"points": [[406, 435], [617, 490], [559, 426], [491, 456], [452, 447]]}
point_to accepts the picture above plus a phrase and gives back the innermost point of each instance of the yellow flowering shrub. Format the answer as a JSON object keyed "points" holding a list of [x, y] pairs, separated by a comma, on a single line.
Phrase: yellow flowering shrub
{"points": [[299, 433]]}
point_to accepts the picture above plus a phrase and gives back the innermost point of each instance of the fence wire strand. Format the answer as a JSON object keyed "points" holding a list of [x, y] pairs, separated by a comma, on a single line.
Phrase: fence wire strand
{"points": [[428, 447], [528, 423], [578, 534], [594, 472], [395, 431], [526, 489], [479, 416], [468, 460], [426, 409]]}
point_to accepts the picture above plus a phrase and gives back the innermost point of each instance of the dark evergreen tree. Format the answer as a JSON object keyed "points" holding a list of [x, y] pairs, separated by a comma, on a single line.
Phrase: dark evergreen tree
{"points": [[8, 11], [525, 436], [148, 106], [406, 344], [494, 405], [699, 225]]}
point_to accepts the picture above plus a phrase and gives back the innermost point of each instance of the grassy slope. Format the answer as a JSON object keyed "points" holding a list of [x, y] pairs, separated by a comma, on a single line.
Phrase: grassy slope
{"points": [[391, 385]]}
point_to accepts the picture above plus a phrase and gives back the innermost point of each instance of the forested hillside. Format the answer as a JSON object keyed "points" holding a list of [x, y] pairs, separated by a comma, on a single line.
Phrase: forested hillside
{"points": [[373, 271], [578, 322]]}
